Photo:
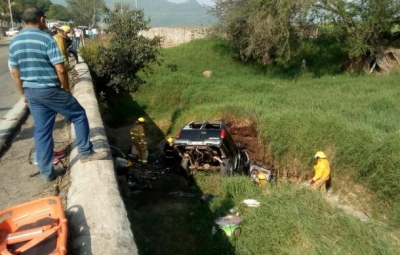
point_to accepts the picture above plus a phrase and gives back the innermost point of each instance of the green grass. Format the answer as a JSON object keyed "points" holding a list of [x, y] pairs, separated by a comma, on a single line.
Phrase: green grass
{"points": [[289, 220], [353, 118]]}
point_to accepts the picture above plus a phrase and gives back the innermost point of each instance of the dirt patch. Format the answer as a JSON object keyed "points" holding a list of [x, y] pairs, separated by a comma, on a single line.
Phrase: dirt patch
{"points": [[247, 135]]}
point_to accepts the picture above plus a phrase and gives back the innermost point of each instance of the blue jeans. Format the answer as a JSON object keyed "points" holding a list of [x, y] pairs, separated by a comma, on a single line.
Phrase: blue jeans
{"points": [[44, 104], [76, 42]]}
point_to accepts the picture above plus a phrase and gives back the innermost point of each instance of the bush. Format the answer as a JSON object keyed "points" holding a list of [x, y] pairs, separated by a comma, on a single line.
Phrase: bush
{"points": [[118, 61]]}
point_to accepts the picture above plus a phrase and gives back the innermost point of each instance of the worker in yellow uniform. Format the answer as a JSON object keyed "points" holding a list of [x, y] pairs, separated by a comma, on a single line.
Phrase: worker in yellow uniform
{"points": [[169, 153], [139, 140], [322, 172], [62, 44]]}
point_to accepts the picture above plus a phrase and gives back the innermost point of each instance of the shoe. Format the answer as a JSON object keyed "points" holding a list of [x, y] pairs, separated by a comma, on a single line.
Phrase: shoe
{"points": [[95, 156], [58, 170], [56, 160], [59, 154]]}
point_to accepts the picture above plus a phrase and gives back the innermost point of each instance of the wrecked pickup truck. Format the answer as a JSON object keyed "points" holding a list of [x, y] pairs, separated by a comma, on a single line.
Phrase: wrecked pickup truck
{"points": [[207, 146]]}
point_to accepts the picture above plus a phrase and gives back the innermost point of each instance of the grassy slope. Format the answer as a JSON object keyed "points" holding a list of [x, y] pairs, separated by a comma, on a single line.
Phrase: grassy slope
{"points": [[352, 118]]}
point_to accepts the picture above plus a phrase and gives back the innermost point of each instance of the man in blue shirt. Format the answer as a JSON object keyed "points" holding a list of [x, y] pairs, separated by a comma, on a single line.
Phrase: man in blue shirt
{"points": [[41, 77]]}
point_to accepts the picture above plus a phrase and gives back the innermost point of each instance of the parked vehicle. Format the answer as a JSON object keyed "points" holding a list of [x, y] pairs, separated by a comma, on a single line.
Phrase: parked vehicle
{"points": [[12, 32], [206, 146]]}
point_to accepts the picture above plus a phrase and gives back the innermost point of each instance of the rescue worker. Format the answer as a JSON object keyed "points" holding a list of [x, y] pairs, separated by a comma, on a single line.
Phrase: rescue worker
{"points": [[62, 44], [139, 141], [169, 153], [322, 172]]}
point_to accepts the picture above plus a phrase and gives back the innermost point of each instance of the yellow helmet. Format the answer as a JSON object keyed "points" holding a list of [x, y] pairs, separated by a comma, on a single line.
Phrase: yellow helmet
{"points": [[261, 176], [170, 139], [320, 154], [65, 28], [141, 120]]}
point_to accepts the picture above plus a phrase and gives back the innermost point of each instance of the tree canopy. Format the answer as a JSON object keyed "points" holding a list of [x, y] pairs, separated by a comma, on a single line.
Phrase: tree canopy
{"points": [[86, 12], [58, 11], [278, 27]]}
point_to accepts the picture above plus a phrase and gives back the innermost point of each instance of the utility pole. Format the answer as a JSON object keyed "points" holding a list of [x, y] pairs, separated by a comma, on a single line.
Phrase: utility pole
{"points": [[136, 3], [9, 6]]}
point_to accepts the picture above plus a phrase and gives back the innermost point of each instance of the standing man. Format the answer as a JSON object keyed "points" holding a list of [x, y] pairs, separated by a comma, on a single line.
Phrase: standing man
{"points": [[39, 74], [77, 39], [139, 140], [62, 45], [322, 172], [68, 40]]}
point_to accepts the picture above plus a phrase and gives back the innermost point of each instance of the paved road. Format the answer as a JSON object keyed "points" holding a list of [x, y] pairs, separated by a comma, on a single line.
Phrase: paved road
{"points": [[9, 95]]}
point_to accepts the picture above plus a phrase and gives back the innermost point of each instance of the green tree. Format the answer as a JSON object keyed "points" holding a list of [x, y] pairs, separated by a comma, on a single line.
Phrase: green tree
{"points": [[278, 27], [44, 5], [264, 27], [17, 8], [86, 12], [365, 27], [119, 60], [58, 11]]}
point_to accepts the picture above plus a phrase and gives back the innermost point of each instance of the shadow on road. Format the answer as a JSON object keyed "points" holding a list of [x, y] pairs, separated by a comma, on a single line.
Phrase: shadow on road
{"points": [[79, 241]]}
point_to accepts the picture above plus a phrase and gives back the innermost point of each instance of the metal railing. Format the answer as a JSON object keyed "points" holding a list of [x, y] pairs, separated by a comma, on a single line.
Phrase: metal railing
{"points": [[10, 24]]}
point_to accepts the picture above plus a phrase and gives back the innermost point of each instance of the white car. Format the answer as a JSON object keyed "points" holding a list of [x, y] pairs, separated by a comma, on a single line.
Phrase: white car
{"points": [[12, 32]]}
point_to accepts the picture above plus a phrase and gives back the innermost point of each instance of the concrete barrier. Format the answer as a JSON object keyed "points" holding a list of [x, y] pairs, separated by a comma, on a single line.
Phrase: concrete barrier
{"points": [[97, 215], [11, 121]]}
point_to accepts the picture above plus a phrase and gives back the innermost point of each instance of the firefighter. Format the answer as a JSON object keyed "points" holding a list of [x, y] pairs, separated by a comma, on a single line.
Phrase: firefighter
{"points": [[139, 141], [169, 153], [322, 172]]}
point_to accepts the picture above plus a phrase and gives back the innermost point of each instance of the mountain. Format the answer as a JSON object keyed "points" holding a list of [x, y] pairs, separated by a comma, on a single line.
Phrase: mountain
{"points": [[166, 14]]}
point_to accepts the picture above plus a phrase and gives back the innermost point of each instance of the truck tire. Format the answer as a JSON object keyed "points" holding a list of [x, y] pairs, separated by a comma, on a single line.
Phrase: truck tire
{"points": [[244, 165], [226, 168], [186, 167]]}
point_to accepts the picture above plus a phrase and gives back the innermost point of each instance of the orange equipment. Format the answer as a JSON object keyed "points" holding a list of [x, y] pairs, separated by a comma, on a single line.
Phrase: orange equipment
{"points": [[36, 227]]}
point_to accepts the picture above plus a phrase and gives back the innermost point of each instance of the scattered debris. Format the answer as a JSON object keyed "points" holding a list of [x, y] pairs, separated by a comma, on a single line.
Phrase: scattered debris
{"points": [[251, 202], [207, 198], [229, 224], [260, 174], [181, 194]]}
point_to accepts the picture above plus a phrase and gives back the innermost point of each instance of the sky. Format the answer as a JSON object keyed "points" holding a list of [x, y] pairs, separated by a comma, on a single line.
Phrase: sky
{"points": [[205, 2]]}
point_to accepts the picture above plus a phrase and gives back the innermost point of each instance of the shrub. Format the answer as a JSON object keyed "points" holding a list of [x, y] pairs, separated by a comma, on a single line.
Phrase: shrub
{"points": [[118, 61]]}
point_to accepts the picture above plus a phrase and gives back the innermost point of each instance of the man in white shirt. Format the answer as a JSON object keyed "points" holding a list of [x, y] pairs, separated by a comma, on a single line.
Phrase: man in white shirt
{"points": [[77, 38], [95, 32]]}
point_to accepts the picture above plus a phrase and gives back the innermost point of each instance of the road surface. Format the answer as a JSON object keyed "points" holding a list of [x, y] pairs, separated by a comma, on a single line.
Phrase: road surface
{"points": [[9, 95]]}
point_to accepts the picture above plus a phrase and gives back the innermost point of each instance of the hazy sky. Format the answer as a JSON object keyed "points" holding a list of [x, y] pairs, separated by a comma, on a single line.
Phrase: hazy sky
{"points": [[206, 2]]}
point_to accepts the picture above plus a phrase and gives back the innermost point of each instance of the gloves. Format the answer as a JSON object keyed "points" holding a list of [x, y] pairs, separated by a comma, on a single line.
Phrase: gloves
{"points": [[312, 182]]}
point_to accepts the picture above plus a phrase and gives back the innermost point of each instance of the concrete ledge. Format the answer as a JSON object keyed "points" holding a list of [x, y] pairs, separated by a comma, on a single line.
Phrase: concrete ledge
{"points": [[97, 215], [10, 122]]}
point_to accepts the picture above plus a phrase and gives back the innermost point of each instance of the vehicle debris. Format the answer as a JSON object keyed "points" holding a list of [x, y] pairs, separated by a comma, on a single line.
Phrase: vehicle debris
{"points": [[181, 194], [251, 202], [259, 174]]}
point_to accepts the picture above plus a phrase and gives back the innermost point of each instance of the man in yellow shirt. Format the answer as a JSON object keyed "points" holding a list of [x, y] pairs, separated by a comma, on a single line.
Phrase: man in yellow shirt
{"points": [[322, 172], [62, 45]]}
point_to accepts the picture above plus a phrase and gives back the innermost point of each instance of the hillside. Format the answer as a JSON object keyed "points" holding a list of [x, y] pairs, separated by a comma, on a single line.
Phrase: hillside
{"points": [[164, 13], [351, 117]]}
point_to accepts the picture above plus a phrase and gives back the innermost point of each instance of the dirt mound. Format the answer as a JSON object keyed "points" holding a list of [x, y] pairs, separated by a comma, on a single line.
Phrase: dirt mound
{"points": [[247, 136]]}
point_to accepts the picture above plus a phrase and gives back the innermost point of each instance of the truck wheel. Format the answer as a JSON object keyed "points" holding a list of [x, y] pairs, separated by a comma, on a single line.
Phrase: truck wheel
{"points": [[244, 163], [185, 165], [226, 167]]}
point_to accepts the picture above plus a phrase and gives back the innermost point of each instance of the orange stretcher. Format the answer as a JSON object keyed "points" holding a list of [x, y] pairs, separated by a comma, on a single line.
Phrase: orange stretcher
{"points": [[38, 227]]}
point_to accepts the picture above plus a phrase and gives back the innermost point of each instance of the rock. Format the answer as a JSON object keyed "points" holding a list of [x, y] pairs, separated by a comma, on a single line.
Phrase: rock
{"points": [[207, 74]]}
